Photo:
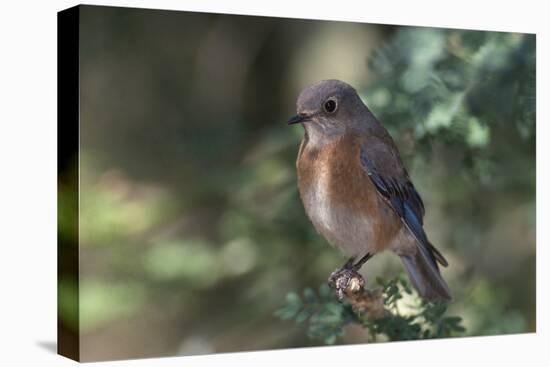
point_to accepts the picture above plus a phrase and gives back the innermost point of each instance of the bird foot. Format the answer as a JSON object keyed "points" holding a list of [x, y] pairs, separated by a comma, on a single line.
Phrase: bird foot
{"points": [[346, 280]]}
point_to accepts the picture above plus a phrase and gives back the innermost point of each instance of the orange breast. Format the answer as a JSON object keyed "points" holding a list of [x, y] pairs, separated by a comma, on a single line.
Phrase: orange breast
{"points": [[341, 200]]}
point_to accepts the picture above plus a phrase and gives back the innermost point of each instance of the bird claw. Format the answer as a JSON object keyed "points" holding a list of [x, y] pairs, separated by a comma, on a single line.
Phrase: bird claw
{"points": [[346, 280]]}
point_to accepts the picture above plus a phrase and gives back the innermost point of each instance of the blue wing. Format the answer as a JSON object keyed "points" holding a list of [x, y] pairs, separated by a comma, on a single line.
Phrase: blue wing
{"points": [[402, 196]]}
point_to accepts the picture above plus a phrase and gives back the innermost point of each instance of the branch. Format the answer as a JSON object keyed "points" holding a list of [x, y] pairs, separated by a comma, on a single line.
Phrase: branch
{"points": [[365, 303]]}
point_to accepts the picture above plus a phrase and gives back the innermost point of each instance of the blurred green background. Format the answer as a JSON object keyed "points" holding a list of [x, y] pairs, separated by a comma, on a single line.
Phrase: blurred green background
{"points": [[191, 228]]}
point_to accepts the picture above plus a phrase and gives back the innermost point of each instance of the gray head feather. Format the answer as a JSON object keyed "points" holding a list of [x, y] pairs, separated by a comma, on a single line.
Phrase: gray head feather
{"points": [[332, 108]]}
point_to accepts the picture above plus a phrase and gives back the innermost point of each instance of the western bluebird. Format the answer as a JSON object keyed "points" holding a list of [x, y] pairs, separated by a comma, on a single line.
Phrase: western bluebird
{"points": [[355, 188]]}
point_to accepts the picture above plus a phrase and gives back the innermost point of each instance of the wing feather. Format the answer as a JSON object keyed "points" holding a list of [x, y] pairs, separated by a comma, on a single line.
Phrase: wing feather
{"points": [[392, 182]]}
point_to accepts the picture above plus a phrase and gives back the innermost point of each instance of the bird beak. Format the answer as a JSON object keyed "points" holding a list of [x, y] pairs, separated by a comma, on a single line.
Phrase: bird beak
{"points": [[297, 119]]}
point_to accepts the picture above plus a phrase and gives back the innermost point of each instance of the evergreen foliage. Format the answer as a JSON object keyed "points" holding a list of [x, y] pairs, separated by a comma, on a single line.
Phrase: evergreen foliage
{"points": [[327, 317], [456, 87]]}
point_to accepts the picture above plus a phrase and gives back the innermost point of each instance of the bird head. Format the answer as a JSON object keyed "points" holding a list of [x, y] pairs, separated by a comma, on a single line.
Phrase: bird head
{"points": [[329, 108]]}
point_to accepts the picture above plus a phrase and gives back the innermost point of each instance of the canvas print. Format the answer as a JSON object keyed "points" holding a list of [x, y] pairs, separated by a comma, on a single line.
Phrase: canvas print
{"points": [[237, 183]]}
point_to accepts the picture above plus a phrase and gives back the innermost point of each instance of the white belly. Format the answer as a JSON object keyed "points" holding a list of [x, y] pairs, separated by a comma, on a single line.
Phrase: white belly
{"points": [[351, 233]]}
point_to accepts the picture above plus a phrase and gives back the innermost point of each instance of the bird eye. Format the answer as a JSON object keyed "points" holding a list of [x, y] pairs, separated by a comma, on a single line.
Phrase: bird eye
{"points": [[330, 106]]}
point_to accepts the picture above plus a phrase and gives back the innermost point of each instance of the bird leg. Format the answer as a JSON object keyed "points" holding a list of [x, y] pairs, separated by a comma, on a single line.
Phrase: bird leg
{"points": [[347, 278], [349, 263], [362, 261]]}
